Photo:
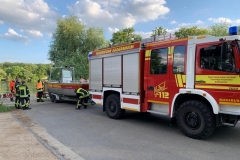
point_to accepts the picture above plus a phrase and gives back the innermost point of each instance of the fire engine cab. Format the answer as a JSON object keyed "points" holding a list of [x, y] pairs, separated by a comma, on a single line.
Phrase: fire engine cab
{"points": [[195, 80]]}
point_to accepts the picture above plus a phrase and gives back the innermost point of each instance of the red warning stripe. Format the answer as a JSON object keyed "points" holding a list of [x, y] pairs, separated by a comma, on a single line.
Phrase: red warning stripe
{"points": [[130, 100], [95, 96]]}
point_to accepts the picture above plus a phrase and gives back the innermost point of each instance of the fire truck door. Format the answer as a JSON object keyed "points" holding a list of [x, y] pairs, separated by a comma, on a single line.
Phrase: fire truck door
{"points": [[158, 85]]}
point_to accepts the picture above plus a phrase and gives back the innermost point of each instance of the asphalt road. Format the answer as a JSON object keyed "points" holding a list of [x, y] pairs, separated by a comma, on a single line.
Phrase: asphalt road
{"points": [[93, 136]]}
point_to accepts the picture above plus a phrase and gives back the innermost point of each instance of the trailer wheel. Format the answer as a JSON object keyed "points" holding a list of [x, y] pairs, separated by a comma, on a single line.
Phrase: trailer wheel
{"points": [[113, 107], [51, 97], [195, 119], [54, 99]]}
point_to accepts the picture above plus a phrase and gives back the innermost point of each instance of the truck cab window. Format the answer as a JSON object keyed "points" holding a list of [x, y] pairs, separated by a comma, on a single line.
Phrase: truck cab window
{"points": [[211, 59], [158, 62], [178, 59]]}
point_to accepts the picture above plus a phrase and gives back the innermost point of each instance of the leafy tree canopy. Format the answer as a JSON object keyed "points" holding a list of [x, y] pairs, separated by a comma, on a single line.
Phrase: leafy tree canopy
{"points": [[219, 29], [158, 31], [71, 43], [124, 36], [192, 31]]}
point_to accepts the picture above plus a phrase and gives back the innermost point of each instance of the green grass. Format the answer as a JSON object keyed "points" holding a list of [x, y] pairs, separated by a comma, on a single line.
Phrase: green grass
{"points": [[6, 109]]}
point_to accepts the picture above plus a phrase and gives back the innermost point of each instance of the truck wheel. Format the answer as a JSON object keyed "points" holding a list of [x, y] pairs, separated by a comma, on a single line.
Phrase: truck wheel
{"points": [[113, 107], [195, 119]]}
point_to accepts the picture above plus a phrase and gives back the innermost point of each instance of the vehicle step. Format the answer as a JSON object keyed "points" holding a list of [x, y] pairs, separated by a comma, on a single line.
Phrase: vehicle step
{"points": [[161, 113]]}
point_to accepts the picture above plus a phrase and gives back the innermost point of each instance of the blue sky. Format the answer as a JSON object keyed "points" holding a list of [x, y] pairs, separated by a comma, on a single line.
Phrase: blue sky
{"points": [[26, 25]]}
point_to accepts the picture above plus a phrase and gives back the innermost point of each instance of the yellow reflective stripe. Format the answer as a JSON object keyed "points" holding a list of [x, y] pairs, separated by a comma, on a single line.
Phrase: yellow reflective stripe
{"points": [[201, 37], [131, 109], [148, 53], [176, 80], [230, 103], [160, 102], [179, 77]]}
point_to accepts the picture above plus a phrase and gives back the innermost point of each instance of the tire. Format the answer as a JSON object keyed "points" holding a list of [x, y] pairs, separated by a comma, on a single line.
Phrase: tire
{"points": [[53, 99], [195, 119], [113, 107]]}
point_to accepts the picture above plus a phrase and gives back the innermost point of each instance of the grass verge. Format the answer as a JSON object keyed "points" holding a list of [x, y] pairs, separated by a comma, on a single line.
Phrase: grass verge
{"points": [[6, 109]]}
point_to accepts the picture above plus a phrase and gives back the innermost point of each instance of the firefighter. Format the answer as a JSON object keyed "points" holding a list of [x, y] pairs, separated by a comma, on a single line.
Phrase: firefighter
{"points": [[24, 95], [11, 86], [16, 90], [83, 97], [39, 87]]}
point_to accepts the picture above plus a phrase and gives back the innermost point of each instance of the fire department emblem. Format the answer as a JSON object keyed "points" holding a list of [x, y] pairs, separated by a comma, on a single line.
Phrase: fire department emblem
{"points": [[159, 89]]}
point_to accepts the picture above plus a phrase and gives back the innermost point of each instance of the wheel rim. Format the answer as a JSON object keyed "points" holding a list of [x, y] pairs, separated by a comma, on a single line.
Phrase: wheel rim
{"points": [[112, 107], [192, 120]]}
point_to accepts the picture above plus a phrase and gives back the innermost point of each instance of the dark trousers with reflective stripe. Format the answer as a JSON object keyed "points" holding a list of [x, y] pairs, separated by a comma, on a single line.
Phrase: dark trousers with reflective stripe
{"points": [[23, 103], [17, 101], [83, 101], [40, 95]]}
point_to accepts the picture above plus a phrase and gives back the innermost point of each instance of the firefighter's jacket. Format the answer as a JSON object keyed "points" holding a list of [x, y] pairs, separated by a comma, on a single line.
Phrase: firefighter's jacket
{"points": [[82, 92], [24, 91], [11, 85], [39, 86], [17, 84]]}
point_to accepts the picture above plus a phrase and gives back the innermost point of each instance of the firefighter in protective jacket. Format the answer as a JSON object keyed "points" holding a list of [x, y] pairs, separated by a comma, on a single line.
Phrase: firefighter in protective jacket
{"points": [[83, 97], [39, 87], [24, 95], [11, 86], [16, 90]]}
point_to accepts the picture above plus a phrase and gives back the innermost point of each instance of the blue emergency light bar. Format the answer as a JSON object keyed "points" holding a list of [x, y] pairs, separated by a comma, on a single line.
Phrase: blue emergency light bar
{"points": [[233, 30]]}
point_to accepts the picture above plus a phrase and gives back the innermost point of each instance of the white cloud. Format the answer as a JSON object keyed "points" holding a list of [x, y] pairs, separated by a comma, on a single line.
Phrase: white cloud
{"points": [[28, 14], [118, 13], [1, 22], [173, 22], [14, 36], [112, 30], [198, 22], [144, 34], [32, 33], [237, 21], [172, 30], [221, 19]]}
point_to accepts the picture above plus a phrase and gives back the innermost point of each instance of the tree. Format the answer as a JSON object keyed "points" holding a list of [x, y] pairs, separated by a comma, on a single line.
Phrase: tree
{"points": [[219, 29], [192, 31], [158, 31], [125, 35], [2, 74], [71, 43]]}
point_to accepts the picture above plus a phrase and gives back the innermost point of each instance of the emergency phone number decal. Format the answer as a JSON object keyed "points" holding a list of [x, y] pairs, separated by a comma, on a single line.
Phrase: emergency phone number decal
{"points": [[218, 79]]}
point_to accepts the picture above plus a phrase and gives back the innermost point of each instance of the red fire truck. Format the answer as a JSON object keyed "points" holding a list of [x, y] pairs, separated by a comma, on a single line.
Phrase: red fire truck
{"points": [[195, 80]]}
